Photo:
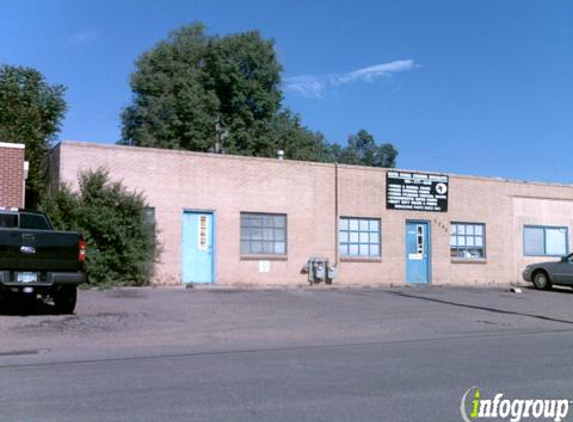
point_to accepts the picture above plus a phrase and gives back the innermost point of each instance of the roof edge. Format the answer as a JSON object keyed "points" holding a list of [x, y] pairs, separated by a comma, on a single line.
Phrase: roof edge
{"points": [[88, 144], [11, 145]]}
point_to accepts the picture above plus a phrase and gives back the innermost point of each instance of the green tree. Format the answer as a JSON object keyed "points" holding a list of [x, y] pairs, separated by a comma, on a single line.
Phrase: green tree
{"points": [[121, 240], [363, 150], [200, 92], [243, 72], [172, 107], [285, 132], [31, 113]]}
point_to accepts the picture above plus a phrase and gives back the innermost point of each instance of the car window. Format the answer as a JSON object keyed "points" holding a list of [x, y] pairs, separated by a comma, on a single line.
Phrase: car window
{"points": [[33, 222], [8, 221]]}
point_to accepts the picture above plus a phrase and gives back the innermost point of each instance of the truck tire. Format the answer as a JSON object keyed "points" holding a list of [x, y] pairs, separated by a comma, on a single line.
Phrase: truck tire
{"points": [[65, 299]]}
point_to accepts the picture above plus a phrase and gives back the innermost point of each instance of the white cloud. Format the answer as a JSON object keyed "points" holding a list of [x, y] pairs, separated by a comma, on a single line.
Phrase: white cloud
{"points": [[87, 37], [314, 86], [306, 86]]}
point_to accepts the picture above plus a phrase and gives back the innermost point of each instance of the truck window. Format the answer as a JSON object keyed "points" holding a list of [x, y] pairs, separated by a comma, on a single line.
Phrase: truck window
{"points": [[8, 221], [33, 222]]}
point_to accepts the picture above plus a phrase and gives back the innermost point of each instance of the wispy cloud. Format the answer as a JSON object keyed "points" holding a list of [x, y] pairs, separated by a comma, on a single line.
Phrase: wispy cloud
{"points": [[84, 38], [314, 86]]}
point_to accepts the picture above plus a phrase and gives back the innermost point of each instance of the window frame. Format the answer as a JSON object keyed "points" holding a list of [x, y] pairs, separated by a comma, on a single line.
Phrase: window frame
{"points": [[465, 235], [348, 242], [544, 228], [267, 255]]}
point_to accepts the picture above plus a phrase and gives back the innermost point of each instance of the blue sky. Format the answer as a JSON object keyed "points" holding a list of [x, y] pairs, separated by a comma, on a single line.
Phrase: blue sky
{"points": [[479, 87]]}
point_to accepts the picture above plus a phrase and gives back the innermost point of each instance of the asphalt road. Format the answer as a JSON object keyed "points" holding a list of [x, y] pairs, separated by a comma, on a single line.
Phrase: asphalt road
{"points": [[283, 355]]}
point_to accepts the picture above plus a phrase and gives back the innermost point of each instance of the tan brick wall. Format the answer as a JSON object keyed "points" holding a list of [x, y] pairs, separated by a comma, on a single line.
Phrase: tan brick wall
{"points": [[173, 181], [12, 175]]}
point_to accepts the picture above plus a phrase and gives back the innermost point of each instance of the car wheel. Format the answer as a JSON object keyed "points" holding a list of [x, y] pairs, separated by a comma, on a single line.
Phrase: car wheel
{"points": [[65, 299], [541, 281]]}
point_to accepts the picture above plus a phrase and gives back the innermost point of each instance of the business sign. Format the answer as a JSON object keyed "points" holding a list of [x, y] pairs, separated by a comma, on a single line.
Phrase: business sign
{"points": [[416, 191]]}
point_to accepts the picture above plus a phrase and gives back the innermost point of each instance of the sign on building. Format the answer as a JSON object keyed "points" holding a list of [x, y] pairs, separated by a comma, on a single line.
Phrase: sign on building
{"points": [[416, 191]]}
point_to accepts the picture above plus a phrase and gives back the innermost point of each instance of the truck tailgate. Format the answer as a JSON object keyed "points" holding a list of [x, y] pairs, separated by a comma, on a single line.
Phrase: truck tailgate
{"points": [[37, 250]]}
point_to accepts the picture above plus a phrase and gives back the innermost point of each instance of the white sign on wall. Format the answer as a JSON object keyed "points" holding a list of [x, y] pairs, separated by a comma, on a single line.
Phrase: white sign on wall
{"points": [[264, 266]]}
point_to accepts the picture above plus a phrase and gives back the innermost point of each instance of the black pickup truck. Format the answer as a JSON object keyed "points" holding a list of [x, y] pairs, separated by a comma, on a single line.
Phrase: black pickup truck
{"points": [[37, 261]]}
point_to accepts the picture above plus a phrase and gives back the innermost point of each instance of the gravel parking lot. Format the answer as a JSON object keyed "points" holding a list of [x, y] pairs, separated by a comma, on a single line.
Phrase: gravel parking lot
{"points": [[281, 354], [219, 318]]}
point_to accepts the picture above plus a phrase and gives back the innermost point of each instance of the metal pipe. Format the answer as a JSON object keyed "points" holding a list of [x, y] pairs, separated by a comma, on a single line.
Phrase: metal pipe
{"points": [[336, 214]]}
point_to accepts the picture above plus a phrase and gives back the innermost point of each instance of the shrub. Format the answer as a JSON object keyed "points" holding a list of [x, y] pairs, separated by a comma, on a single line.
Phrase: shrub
{"points": [[121, 239]]}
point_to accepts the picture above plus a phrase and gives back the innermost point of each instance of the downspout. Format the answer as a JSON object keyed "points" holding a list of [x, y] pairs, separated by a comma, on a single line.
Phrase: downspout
{"points": [[336, 214]]}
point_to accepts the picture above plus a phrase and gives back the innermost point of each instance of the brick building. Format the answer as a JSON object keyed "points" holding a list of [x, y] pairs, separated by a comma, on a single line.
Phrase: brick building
{"points": [[228, 219], [12, 175]]}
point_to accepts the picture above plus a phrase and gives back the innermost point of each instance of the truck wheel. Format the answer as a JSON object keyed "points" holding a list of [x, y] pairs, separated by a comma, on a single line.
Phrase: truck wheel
{"points": [[65, 299]]}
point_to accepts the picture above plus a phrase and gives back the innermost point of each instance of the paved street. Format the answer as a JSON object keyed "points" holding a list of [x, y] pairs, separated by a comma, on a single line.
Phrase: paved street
{"points": [[308, 354]]}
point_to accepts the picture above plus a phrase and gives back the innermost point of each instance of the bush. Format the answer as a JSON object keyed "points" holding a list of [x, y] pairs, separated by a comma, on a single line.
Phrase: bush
{"points": [[121, 239]]}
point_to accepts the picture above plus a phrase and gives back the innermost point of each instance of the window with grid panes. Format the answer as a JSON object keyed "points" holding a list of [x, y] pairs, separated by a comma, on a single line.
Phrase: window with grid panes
{"points": [[359, 237], [467, 240], [263, 234]]}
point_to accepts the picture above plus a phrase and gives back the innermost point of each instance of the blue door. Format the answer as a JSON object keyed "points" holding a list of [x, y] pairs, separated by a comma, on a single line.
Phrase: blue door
{"points": [[417, 252], [197, 259]]}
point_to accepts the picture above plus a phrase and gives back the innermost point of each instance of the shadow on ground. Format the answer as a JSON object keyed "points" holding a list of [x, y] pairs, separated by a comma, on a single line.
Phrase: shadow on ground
{"points": [[482, 308], [554, 289], [10, 306]]}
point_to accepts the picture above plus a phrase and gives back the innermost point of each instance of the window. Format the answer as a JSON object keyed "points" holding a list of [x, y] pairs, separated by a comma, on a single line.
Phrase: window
{"points": [[149, 216], [359, 237], [541, 240], [33, 222], [263, 234], [8, 221], [150, 225], [467, 240]]}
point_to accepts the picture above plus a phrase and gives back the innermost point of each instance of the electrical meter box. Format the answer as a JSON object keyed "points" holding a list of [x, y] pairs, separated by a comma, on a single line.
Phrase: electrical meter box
{"points": [[320, 270]]}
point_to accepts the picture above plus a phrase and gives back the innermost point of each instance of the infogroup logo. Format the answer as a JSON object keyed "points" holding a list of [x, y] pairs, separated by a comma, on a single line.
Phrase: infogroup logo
{"points": [[474, 407]]}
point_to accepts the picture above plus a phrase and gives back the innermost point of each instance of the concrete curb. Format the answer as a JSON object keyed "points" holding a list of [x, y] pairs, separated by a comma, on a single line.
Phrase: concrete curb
{"points": [[320, 287]]}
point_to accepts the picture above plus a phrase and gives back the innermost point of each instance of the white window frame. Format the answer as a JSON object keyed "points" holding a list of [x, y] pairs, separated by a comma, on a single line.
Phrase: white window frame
{"points": [[360, 234]]}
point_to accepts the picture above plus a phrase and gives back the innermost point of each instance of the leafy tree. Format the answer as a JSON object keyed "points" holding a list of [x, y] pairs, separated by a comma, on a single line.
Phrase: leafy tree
{"points": [[201, 92], [194, 89], [285, 132], [243, 72], [31, 113], [120, 238], [172, 107], [362, 149], [386, 156]]}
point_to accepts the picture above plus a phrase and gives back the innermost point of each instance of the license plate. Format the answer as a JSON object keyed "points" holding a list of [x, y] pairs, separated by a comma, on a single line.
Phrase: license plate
{"points": [[26, 277]]}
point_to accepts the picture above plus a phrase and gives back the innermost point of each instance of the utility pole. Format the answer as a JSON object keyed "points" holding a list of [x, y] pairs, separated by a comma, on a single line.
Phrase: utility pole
{"points": [[220, 136]]}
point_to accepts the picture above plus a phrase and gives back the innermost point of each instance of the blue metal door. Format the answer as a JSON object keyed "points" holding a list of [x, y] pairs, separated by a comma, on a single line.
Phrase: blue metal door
{"points": [[417, 252], [197, 259]]}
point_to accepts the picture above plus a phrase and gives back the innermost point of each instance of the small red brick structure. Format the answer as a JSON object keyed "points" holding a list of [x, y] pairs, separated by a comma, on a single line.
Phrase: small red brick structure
{"points": [[12, 175]]}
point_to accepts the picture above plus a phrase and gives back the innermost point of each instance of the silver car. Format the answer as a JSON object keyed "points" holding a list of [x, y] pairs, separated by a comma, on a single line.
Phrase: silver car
{"points": [[545, 274]]}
